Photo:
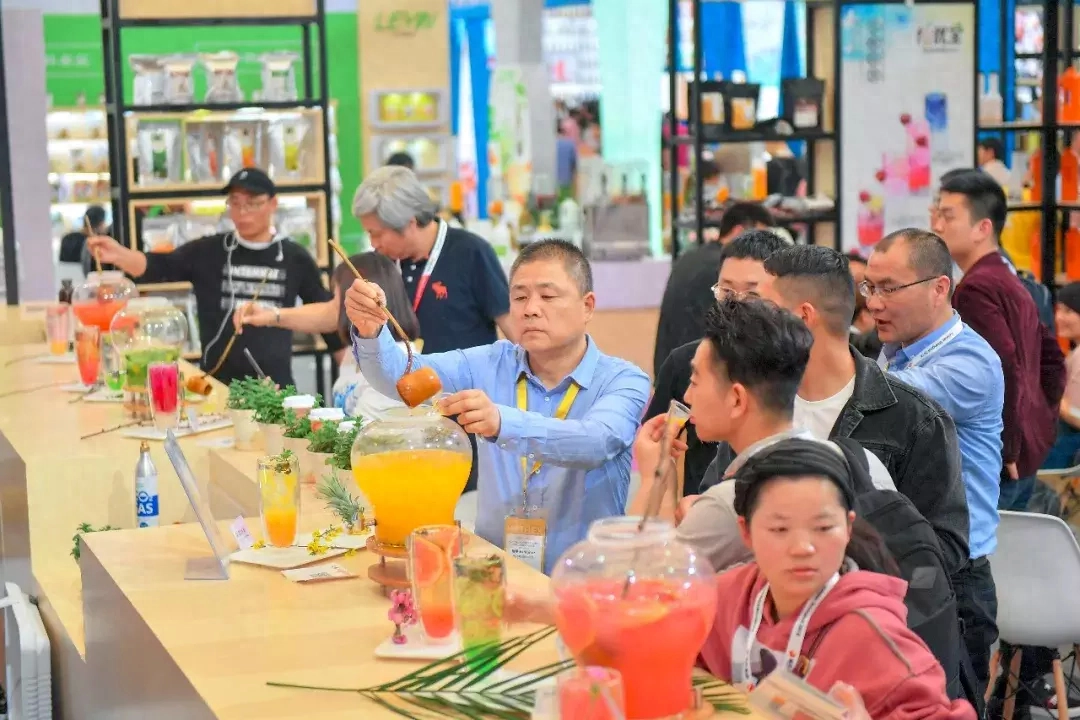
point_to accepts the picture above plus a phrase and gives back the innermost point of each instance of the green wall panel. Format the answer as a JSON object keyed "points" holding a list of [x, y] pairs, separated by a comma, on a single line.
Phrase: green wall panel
{"points": [[75, 66]]}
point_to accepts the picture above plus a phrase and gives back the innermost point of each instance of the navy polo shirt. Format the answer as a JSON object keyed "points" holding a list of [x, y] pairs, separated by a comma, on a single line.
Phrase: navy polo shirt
{"points": [[466, 292]]}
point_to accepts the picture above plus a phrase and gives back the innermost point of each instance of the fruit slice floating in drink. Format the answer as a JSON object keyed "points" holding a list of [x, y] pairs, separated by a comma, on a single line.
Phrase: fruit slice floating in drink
{"points": [[432, 549]]}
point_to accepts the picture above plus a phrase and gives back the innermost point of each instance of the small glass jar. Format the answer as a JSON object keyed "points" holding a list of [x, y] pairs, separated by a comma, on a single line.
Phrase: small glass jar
{"points": [[149, 330]]}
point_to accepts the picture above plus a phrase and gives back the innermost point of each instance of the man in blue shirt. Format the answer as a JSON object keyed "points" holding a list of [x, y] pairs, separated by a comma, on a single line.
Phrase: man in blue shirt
{"points": [[908, 290], [556, 416]]}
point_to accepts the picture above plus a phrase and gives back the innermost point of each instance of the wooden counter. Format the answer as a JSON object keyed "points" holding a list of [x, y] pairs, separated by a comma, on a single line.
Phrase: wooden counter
{"points": [[66, 482], [163, 647]]}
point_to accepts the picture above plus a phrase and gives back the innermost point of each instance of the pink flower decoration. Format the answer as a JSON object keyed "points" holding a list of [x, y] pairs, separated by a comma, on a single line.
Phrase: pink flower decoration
{"points": [[402, 613]]}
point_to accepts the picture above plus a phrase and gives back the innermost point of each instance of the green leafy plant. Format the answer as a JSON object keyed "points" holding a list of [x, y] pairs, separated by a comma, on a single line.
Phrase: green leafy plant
{"points": [[341, 502], [76, 539], [473, 688], [324, 440], [282, 462], [342, 458], [243, 393], [296, 428], [268, 405]]}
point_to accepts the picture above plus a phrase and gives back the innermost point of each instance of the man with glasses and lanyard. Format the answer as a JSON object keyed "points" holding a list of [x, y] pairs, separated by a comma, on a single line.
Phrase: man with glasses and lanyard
{"points": [[908, 288], [227, 269]]}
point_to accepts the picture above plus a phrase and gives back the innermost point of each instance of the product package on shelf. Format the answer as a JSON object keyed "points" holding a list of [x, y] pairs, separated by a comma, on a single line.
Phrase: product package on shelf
{"points": [[278, 77], [203, 144], [299, 224], [149, 85], [179, 80], [216, 145], [431, 154], [161, 234], [76, 124], [287, 149], [159, 147], [243, 147], [74, 156], [222, 85]]}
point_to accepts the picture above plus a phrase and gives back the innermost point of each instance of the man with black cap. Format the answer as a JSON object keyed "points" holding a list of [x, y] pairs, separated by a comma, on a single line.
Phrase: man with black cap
{"points": [[228, 268]]}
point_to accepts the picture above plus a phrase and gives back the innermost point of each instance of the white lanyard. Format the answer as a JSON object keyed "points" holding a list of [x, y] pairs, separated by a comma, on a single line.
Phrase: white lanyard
{"points": [[798, 631], [926, 352], [429, 265]]}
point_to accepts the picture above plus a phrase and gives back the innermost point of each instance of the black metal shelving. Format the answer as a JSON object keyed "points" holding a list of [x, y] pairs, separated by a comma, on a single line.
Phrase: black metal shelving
{"points": [[698, 141], [312, 30], [1058, 29]]}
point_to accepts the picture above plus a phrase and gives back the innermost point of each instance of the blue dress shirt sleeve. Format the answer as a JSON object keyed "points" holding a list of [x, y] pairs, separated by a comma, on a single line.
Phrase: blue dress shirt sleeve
{"points": [[962, 383], [607, 429], [382, 362]]}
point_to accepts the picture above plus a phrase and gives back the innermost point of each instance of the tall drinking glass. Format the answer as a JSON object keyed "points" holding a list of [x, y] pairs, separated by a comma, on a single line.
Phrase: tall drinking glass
{"points": [[279, 498], [591, 693], [112, 365], [479, 595], [432, 549], [58, 328], [163, 379], [88, 353]]}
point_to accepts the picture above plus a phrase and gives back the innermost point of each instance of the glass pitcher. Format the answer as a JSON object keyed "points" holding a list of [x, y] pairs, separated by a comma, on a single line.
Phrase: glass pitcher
{"points": [[640, 602], [412, 466], [149, 330], [100, 297]]}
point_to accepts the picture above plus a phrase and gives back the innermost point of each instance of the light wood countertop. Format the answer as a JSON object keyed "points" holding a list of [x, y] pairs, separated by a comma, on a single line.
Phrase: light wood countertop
{"points": [[69, 481]]}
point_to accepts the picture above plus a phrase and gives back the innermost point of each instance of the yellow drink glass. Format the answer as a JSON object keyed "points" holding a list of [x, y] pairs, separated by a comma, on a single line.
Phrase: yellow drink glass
{"points": [[411, 466], [279, 498]]}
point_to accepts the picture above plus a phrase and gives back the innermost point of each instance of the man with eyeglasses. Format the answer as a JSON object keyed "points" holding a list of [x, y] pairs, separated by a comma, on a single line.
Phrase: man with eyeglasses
{"points": [[908, 289], [742, 268], [227, 269]]}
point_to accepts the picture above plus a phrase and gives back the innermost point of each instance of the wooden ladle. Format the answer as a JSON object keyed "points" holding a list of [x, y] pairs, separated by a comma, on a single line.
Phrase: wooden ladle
{"points": [[414, 387]]}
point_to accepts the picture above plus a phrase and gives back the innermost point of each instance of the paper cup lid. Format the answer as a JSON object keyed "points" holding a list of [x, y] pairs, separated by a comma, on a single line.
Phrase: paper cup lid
{"points": [[298, 401], [327, 414]]}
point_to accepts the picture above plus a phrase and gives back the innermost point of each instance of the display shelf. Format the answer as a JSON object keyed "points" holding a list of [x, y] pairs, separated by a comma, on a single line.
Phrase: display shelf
{"points": [[201, 150], [222, 107], [216, 12], [408, 109], [182, 219], [177, 158], [822, 30]]}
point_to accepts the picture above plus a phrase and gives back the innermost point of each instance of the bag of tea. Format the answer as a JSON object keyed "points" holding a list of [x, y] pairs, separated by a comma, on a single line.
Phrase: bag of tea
{"points": [[279, 76], [243, 146], [149, 86], [222, 85], [179, 81], [159, 153], [288, 151]]}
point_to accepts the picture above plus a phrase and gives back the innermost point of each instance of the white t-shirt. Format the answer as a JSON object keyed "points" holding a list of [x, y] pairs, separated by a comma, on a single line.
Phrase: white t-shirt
{"points": [[819, 416]]}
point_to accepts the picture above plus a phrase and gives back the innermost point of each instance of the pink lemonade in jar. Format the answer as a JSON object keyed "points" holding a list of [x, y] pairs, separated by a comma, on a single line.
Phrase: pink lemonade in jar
{"points": [[651, 636], [591, 693]]}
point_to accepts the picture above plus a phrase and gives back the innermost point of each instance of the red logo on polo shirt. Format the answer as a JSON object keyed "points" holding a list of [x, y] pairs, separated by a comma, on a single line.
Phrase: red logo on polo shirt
{"points": [[439, 289]]}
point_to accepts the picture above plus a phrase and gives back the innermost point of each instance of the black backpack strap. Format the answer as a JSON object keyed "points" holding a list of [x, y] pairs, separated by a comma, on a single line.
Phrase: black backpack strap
{"points": [[860, 466], [819, 639]]}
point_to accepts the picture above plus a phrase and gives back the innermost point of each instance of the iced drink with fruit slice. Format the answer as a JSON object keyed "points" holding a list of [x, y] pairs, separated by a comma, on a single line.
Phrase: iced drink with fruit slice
{"points": [[432, 549]]}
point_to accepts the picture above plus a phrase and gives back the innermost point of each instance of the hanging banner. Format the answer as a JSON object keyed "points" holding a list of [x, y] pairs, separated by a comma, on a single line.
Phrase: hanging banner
{"points": [[908, 112]]}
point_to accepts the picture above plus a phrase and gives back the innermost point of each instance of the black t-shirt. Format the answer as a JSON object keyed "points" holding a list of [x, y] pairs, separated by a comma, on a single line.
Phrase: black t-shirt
{"points": [[672, 380], [687, 297], [216, 278], [466, 292]]}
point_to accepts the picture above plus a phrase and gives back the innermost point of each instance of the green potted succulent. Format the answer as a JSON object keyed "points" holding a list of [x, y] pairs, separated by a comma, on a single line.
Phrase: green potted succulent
{"points": [[270, 415], [241, 405]]}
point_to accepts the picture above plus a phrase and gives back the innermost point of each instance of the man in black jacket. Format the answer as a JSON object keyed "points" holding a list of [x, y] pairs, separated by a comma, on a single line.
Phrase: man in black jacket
{"points": [[844, 394]]}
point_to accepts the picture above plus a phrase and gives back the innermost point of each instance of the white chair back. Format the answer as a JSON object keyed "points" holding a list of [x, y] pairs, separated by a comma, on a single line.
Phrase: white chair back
{"points": [[1036, 569]]}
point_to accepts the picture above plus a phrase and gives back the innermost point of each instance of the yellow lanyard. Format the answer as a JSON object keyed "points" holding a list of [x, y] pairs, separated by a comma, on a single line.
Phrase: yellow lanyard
{"points": [[560, 412]]}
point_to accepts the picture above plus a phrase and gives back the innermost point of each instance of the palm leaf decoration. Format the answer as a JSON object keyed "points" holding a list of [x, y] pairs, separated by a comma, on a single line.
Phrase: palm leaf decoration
{"points": [[472, 688]]}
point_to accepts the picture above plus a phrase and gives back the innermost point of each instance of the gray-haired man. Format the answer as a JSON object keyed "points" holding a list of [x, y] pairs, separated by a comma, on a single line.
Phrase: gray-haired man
{"points": [[453, 277]]}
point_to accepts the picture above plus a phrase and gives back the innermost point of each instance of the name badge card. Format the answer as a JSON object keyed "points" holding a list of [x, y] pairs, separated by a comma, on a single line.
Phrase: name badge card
{"points": [[526, 539]]}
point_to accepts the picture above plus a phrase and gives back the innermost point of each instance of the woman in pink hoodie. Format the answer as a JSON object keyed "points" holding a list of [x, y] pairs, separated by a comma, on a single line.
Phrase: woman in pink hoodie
{"points": [[805, 604]]}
